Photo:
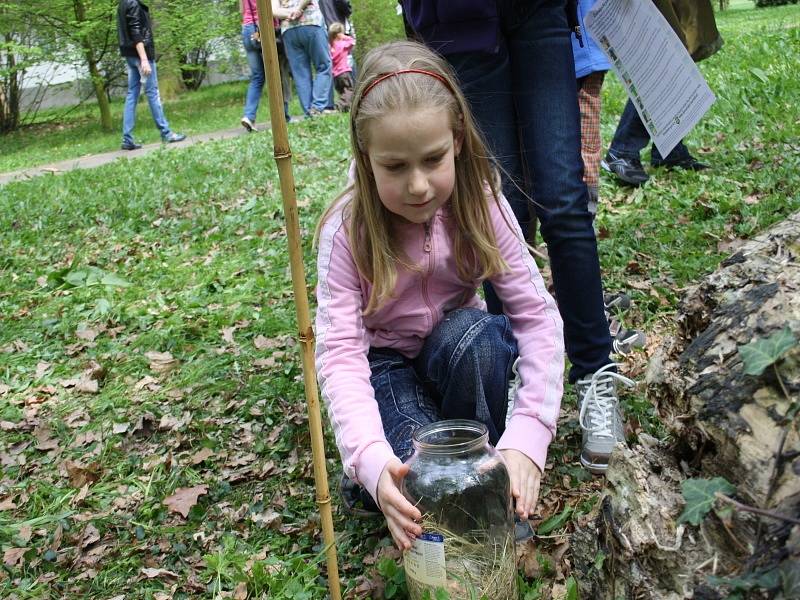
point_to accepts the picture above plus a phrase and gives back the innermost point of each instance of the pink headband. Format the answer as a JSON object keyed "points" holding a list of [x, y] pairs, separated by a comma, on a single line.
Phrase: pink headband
{"points": [[377, 80]]}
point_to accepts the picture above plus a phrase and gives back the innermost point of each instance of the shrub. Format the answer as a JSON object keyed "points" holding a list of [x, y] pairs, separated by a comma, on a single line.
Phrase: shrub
{"points": [[375, 24]]}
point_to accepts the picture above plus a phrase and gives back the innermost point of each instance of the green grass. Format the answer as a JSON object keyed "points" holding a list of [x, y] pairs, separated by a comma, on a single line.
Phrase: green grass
{"points": [[197, 236], [55, 138]]}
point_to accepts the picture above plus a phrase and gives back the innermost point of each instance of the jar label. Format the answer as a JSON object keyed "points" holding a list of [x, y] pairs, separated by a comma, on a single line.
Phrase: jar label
{"points": [[424, 562]]}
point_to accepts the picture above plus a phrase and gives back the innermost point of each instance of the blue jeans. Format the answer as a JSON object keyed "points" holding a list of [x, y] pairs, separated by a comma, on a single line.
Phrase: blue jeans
{"points": [[153, 99], [257, 78], [462, 372], [631, 138], [524, 99], [306, 46]]}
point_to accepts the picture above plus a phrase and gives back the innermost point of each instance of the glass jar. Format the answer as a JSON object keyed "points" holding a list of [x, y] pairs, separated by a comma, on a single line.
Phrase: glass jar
{"points": [[460, 484]]}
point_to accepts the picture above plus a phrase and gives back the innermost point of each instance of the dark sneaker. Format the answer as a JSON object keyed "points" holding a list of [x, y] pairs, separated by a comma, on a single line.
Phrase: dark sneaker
{"points": [[690, 163], [627, 170], [130, 146], [174, 137], [626, 340], [356, 501], [618, 302], [248, 124], [600, 417], [523, 530]]}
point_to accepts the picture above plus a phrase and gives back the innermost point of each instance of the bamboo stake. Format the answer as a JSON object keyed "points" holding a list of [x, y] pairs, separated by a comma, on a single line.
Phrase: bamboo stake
{"points": [[283, 158]]}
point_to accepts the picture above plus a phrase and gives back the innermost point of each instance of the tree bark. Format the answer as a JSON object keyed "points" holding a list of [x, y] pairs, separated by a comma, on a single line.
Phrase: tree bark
{"points": [[94, 72], [723, 423]]}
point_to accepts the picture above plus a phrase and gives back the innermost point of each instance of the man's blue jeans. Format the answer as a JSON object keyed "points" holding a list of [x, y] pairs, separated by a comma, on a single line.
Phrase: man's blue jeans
{"points": [[631, 138], [524, 99], [153, 99], [306, 46], [462, 372]]}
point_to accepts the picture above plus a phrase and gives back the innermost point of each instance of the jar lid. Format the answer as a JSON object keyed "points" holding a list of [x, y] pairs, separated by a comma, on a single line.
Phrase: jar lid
{"points": [[452, 436]]}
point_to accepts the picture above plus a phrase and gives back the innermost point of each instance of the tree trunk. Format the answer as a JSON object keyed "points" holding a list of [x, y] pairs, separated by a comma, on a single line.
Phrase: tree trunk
{"points": [[9, 90], [94, 72], [724, 423]]}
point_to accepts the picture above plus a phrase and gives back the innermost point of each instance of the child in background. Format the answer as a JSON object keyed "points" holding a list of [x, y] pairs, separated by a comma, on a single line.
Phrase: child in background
{"points": [[403, 339], [341, 45], [591, 66]]}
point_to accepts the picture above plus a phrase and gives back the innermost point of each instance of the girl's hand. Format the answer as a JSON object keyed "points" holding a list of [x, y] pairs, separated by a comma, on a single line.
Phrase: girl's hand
{"points": [[400, 513], [525, 478]]}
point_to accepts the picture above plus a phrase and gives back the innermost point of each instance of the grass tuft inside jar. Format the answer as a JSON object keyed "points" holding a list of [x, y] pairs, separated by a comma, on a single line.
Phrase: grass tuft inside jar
{"points": [[460, 484], [477, 567]]}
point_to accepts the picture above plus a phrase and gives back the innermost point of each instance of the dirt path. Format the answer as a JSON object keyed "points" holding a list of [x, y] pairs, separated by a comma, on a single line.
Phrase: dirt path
{"points": [[96, 160]]}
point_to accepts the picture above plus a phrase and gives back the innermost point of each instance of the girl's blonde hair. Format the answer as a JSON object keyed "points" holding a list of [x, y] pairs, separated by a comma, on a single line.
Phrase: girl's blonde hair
{"points": [[333, 30], [376, 250]]}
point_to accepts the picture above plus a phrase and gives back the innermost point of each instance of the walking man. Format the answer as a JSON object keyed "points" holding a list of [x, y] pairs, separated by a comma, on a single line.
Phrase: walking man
{"points": [[136, 45]]}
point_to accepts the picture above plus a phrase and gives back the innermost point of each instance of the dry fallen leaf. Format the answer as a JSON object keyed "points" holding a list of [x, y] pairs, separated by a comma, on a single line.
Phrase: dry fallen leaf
{"points": [[260, 342], [240, 593], [227, 334], [269, 519], [184, 499], [79, 474], [161, 362], [7, 504], [90, 536], [87, 334], [149, 382], [80, 496], [201, 455], [41, 369], [153, 573], [25, 533], [13, 556]]}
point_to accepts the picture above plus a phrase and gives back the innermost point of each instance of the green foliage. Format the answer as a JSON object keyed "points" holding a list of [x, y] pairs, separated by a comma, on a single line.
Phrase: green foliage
{"points": [[765, 3], [376, 23], [572, 589], [394, 577], [555, 522], [768, 580], [700, 496], [761, 353]]}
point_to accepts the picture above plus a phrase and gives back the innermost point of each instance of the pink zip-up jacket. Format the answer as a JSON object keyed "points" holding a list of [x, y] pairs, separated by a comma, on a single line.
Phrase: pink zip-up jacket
{"points": [[420, 300]]}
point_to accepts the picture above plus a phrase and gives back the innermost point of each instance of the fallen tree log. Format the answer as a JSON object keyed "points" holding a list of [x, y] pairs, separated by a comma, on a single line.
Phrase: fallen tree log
{"points": [[724, 423]]}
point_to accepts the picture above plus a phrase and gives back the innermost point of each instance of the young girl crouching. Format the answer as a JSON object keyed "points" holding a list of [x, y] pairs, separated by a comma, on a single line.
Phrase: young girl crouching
{"points": [[403, 339]]}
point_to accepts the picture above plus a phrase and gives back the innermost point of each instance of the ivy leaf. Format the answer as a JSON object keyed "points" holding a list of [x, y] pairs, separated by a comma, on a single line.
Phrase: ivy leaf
{"points": [[699, 495], [554, 522], [572, 589], [761, 353]]}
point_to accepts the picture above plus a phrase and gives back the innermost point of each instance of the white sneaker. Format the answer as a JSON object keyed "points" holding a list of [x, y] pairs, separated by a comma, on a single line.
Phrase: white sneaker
{"points": [[600, 417], [248, 124], [513, 386]]}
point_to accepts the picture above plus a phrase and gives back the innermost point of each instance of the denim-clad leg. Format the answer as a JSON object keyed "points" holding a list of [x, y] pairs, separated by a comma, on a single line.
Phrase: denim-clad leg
{"points": [[131, 100], [256, 85], [524, 97], [294, 44], [631, 137], [154, 101], [320, 55], [462, 372], [467, 359]]}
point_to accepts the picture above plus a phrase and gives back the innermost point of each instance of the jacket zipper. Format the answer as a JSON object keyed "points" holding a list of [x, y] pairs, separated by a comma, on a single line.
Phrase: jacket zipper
{"points": [[427, 246]]}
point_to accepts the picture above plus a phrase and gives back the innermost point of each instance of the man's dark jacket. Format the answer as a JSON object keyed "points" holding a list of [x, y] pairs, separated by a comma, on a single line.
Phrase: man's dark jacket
{"points": [[134, 26]]}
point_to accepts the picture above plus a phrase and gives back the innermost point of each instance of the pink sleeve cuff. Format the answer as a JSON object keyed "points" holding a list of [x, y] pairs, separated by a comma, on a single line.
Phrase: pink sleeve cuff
{"points": [[528, 435], [371, 464]]}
